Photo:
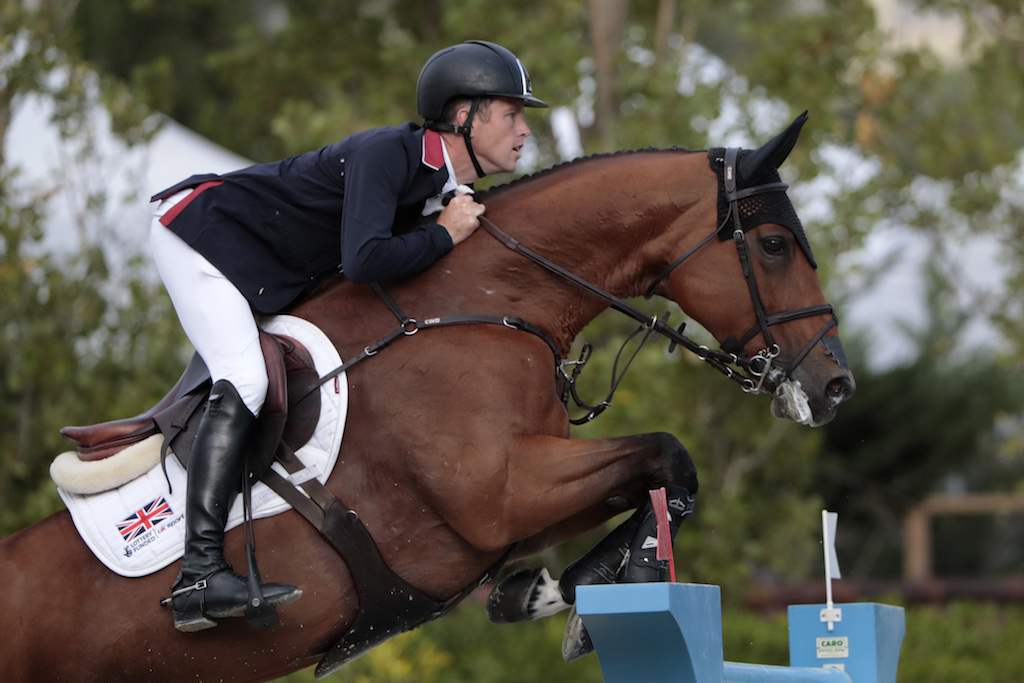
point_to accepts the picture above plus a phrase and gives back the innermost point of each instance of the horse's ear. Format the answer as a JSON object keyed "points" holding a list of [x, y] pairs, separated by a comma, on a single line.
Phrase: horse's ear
{"points": [[773, 152]]}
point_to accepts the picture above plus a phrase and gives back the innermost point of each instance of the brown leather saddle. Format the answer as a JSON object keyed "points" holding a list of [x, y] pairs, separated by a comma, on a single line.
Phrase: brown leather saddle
{"points": [[290, 413]]}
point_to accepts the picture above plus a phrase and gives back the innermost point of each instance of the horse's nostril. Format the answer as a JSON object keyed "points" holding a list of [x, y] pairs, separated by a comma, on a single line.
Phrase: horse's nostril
{"points": [[841, 388]]}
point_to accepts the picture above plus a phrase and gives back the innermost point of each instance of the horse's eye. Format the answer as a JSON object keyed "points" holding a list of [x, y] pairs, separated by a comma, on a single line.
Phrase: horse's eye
{"points": [[774, 246]]}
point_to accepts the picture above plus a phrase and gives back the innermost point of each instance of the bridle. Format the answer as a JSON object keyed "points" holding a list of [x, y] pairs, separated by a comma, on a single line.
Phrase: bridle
{"points": [[731, 360], [763, 360]]}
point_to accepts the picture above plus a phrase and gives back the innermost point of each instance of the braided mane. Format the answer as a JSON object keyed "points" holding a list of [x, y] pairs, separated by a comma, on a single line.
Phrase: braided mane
{"points": [[575, 162]]}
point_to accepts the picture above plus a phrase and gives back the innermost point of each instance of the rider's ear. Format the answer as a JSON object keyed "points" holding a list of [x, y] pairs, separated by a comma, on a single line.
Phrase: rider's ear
{"points": [[773, 152], [462, 115]]}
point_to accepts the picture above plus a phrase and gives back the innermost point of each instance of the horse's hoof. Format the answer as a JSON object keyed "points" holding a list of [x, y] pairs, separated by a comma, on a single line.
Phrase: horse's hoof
{"points": [[525, 595], [576, 643]]}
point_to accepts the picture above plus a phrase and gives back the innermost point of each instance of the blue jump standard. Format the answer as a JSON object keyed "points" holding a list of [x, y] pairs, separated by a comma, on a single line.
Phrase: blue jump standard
{"points": [[672, 633]]}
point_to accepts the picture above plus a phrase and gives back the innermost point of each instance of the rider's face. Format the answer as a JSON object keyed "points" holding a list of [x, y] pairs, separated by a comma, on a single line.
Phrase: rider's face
{"points": [[498, 135]]}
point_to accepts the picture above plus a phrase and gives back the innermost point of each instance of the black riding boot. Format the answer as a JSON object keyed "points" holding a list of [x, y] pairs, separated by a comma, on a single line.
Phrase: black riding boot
{"points": [[629, 553], [207, 588]]}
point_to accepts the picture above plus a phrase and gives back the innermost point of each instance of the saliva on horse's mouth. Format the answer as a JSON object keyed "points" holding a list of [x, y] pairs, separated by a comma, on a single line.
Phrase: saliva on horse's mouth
{"points": [[789, 400]]}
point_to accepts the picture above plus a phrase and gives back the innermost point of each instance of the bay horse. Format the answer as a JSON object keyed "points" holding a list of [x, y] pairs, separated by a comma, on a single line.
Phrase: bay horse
{"points": [[457, 454]]}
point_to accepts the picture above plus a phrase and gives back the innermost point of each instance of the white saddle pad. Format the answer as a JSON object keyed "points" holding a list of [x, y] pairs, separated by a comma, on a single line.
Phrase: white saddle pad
{"points": [[139, 528]]}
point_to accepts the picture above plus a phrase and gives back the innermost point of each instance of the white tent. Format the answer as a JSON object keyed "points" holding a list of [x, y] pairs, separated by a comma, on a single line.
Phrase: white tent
{"points": [[74, 172]]}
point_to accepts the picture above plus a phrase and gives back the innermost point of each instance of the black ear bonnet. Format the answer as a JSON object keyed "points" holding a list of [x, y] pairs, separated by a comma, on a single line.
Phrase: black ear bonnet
{"points": [[760, 167]]}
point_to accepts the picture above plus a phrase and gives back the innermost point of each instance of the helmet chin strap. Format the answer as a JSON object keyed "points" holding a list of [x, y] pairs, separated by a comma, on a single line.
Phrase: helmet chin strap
{"points": [[465, 130]]}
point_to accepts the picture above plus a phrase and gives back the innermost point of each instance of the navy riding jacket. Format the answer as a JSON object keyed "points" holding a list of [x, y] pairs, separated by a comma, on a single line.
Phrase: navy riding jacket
{"points": [[274, 229]]}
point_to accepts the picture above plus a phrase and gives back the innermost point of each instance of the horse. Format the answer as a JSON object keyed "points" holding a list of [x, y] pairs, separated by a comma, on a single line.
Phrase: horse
{"points": [[457, 455]]}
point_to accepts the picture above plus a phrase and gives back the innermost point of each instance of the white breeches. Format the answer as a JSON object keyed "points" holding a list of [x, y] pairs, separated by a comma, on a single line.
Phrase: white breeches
{"points": [[215, 316]]}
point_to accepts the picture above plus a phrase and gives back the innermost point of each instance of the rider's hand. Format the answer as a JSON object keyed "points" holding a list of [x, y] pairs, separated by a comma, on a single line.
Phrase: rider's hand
{"points": [[461, 217]]}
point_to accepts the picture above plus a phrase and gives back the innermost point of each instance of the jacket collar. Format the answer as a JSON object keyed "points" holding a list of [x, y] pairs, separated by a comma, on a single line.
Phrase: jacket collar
{"points": [[433, 150]]}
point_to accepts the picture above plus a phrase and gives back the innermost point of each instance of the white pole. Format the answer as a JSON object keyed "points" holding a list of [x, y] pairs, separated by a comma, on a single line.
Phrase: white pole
{"points": [[830, 614]]}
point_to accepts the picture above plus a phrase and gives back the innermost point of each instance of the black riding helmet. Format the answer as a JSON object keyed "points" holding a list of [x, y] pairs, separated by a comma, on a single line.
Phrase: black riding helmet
{"points": [[474, 69]]}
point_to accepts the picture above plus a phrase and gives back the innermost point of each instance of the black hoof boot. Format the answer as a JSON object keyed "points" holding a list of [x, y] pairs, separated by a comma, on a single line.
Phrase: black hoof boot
{"points": [[626, 555], [643, 565], [629, 553]]}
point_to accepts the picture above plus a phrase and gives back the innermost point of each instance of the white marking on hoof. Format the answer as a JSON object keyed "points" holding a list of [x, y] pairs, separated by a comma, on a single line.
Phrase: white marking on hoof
{"points": [[546, 598]]}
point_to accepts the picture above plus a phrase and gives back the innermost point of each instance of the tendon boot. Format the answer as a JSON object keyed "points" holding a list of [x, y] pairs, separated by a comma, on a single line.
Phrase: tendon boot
{"points": [[643, 565], [207, 587], [626, 555], [629, 553], [603, 562]]}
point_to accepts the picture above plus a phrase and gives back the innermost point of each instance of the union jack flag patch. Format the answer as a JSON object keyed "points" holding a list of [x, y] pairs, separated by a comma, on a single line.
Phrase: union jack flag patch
{"points": [[148, 517]]}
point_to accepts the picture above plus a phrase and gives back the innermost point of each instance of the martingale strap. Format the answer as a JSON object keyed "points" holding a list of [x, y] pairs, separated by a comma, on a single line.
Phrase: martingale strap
{"points": [[409, 326]]}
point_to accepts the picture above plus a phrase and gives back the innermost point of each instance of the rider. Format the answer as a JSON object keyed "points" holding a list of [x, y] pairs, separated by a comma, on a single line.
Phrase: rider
{"points": [[230, 248]]}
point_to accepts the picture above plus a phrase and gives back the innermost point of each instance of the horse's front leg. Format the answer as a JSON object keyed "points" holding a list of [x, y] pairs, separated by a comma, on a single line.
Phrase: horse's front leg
{"points": [[553, 488], [660, 459], [626, 554]]}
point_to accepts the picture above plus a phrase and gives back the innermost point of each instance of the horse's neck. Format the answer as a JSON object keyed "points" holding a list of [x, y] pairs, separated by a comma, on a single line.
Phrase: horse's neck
{"points": [[614, 222]]}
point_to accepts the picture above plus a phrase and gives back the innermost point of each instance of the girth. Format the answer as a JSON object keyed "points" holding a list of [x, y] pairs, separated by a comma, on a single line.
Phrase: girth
{"points": [[388, 604]]}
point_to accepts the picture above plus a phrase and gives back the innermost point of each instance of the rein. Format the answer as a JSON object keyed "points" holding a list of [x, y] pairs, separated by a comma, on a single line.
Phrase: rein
{"points": [[722, 361], [731, 360]]}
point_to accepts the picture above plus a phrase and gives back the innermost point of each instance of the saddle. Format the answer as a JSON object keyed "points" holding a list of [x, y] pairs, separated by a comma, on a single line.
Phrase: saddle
{"points": [[290, 412]]}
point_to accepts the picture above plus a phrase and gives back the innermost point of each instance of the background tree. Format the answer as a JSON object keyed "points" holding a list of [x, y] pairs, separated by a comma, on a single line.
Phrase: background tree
{"points": [[933, 425], [82, 339]]}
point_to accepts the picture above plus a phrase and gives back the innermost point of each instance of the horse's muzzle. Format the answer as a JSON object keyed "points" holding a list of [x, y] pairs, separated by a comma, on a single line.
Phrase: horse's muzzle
{"points": [[808, 402]]}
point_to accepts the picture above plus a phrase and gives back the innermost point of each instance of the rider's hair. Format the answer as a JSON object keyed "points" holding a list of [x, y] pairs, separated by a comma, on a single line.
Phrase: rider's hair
{"points": [[452, 107]]}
